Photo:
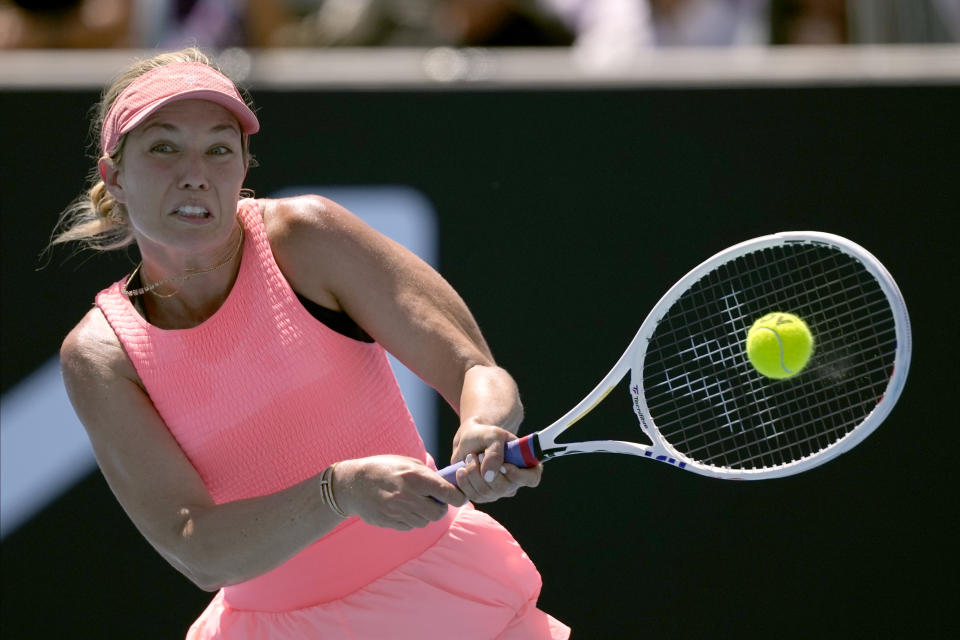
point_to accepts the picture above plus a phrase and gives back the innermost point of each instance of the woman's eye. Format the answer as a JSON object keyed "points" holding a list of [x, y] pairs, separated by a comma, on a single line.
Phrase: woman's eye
{"points": [[220, 150], [161, 147]]}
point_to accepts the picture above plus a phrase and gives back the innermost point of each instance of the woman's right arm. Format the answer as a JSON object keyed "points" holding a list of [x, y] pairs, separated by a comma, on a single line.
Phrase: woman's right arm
{"points": [[213, 545]]}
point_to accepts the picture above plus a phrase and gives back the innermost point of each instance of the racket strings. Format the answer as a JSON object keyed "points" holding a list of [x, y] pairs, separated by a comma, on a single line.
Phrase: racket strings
{"points": [[737, 450], [697, 445], [769, 423], [734, 359], [786, 421], [800, 298], [756, 395], [730, 356], [710, 404]]}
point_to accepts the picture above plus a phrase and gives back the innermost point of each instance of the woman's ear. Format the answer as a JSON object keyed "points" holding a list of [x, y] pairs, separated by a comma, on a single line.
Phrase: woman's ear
{"points": [[111, 178]]}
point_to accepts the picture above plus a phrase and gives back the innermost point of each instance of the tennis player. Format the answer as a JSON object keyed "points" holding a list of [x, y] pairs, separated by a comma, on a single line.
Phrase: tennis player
{"points": [[237, 394]]}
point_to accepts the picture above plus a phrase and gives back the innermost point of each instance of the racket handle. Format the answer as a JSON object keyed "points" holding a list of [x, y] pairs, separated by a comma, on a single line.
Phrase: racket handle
{"points": [[519, 453]]}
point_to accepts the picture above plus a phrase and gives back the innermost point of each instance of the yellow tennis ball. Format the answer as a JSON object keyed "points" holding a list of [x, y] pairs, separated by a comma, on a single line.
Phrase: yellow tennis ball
{"points": [[779, 345]]}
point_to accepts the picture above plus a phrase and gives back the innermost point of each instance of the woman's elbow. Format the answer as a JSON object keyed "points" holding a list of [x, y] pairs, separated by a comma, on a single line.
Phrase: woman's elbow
{"points": [[209, 586], [199, 573], [189, 557], [201, 576]]}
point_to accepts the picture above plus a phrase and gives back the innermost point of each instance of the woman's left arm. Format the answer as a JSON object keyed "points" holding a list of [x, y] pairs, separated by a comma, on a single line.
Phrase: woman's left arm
{"points": [[335, 259]]}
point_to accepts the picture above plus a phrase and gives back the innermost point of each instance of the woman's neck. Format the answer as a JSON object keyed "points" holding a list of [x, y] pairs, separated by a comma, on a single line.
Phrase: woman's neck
{"points": [[192, 305], [189, 297]]}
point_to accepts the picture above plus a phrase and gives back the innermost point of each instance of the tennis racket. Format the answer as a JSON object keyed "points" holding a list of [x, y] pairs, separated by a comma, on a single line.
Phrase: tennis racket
{"points": [[701, 403]]}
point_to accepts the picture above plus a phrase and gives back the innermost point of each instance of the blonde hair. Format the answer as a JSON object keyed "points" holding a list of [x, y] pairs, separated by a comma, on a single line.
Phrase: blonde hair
{"points": [[95, 219]]}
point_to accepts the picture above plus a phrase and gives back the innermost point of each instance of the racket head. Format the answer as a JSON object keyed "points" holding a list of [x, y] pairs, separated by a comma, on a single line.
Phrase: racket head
{"points": [[706, 409]]}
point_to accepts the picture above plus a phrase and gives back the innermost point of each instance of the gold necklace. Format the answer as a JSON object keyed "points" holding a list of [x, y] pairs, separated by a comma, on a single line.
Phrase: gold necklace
{"points": [[190, 273]]}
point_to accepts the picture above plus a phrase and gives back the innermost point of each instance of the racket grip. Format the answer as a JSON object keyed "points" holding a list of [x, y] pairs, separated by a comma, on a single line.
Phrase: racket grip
{"points": [[519, 453]]}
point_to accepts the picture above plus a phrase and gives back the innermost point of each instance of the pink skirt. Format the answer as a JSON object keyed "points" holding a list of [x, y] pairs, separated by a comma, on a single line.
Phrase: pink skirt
{"points": [[468, 579]]}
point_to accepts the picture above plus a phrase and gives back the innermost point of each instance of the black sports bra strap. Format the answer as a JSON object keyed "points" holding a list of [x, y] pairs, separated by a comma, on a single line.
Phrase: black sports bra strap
{"points": [[338, 321]]}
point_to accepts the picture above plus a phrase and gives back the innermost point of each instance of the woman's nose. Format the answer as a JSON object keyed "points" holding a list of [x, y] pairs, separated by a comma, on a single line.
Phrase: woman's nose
{"points": [[193, 174]]}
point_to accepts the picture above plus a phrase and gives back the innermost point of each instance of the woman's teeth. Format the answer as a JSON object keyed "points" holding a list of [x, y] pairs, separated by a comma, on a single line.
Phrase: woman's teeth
{"points": [[197, 212]]}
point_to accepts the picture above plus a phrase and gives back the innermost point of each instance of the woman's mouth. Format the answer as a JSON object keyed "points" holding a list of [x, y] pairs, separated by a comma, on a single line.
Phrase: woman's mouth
{"points": [[191, 211]]}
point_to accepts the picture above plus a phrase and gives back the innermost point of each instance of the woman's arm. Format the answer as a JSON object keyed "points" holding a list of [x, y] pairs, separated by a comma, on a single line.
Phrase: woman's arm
{"points": [[335, 259], [213, 545]]}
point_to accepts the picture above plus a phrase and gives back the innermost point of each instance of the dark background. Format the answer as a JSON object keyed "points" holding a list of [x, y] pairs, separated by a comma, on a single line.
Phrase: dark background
{"points": [[564, 215]]}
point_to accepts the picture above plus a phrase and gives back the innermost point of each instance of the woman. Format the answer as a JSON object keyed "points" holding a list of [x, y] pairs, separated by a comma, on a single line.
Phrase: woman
{"points": [[236, 392]]}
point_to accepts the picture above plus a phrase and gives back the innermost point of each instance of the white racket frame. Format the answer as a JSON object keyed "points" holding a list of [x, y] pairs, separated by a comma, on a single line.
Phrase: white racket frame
{"points": [[632, 361]]}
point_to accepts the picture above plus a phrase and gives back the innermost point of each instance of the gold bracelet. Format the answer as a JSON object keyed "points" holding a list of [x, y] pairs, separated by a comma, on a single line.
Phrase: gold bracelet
{"points": [[326, 491]]}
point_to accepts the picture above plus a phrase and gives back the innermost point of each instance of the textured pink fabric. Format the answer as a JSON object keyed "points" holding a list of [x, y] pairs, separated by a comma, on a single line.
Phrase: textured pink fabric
{"points": [[166, 84], [262, 396], [474, 583], [356, 554]]}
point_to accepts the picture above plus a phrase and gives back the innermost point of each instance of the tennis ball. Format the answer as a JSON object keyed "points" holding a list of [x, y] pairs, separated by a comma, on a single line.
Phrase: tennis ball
{"points": [[779, 345]]}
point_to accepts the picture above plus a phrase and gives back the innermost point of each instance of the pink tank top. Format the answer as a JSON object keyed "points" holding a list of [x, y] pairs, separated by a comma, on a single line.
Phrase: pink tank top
{"points": [[262, 396]]}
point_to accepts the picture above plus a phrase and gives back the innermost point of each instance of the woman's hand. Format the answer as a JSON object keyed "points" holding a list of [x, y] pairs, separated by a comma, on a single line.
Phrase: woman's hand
{"points": [[485, 476], [394, 492]]}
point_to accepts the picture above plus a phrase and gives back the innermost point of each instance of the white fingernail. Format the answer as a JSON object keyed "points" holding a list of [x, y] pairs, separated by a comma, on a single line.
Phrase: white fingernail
{"points": [[488, 476], [469, 458], [480, 458], [503, 470]]}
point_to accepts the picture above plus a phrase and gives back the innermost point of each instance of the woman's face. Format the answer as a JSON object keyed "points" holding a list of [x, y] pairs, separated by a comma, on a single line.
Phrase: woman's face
{"points": [[180, 177]]}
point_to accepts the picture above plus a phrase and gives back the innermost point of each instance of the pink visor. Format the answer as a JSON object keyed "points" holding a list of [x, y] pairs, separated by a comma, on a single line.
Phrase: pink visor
{"points": [[166, 84]]}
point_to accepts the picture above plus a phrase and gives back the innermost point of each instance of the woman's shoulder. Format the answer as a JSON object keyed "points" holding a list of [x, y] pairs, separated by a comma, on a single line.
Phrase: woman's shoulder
{"points": [[312, 228], [309, 238], [305, 213], [92, 351]]}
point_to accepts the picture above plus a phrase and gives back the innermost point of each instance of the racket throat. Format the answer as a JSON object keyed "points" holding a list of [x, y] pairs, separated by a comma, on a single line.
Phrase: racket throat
{"points": [[551, 452]]}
